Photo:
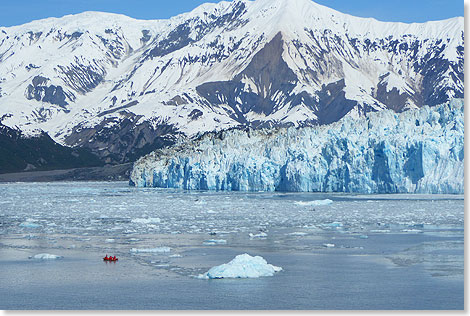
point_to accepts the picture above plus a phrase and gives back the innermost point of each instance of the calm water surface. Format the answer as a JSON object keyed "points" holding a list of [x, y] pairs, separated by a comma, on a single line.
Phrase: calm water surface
{"points": [[390, 251]]}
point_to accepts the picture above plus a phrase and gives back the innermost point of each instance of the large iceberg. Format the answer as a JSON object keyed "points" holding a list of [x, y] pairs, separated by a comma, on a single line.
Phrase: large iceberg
{"points": [[243, 266], [417, 151]]}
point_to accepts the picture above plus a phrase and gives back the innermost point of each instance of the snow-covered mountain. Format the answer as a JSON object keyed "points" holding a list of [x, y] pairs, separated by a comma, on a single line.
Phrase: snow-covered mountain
{"points": [[418, 151], [123, 87]]}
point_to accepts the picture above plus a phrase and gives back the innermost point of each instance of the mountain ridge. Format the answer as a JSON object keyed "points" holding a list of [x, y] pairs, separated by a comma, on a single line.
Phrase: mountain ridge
{"points": [[83, 76]]}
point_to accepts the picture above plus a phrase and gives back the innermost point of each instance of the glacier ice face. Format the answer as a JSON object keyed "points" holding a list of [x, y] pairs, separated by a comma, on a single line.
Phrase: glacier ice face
{"points": [[242, 267], [417, 151]]}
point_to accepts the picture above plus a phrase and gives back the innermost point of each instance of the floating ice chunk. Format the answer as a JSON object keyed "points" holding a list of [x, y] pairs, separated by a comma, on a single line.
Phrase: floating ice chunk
{"points": [[176, 255], [45, 256], [412, 231], [364, 237], [151, 250], [297, 234], [110, 240], [215, 242], [259, 235], [29, 224], [314, 203], [329, 245], [150, 220], [380, 231], [334, 224], [242, 266]]}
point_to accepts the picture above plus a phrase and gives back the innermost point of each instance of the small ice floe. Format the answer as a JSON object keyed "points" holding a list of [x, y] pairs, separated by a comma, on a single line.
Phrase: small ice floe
{"points": [[297, 234], [176, 255], [380, 231], [29, 224], [329, 245], [215, 242], [211, 212], [314, 203], [110, 240], [334, 224], [412, 231], [364, 237], [151, 250], [242, 267], [150, 220], [45, 256], [261, 235]]}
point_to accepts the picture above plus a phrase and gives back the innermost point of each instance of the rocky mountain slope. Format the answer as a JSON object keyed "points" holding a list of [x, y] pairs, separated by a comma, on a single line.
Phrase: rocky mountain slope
{"points": [[418, 151], [123, 87], [20, 153]]}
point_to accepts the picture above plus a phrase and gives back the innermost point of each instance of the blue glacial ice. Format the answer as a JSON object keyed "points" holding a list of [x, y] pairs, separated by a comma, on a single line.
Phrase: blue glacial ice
{"points": [[417, 151], [242, 266]]}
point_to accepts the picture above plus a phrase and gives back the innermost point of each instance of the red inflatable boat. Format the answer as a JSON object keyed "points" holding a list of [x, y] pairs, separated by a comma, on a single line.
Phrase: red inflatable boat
{"points": [[110, 258]]}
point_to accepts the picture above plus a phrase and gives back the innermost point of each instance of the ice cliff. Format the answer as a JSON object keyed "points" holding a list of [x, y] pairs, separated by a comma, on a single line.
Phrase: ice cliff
{"points": [[417, 151]]}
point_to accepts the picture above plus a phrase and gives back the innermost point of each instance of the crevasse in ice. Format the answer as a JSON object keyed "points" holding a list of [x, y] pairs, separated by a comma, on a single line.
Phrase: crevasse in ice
{"points": [[417, 151]]}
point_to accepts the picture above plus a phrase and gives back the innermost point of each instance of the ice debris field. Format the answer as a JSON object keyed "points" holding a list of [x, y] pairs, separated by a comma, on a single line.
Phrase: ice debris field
{"points": [[175, 231]]}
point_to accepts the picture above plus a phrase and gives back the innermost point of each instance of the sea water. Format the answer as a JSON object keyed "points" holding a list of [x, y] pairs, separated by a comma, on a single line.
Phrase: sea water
{"points": [[337, 251]]}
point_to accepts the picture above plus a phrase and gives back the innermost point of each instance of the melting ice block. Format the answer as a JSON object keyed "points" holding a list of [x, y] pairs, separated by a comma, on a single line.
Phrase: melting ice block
{"points": [[215, 242], [45, 256], [243, 266], [151, 250], [29, 224], [261, 235], [314, 203]]}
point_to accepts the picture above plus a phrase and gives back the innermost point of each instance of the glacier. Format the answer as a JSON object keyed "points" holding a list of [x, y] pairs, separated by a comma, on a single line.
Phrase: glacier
{"points": [[416, 151]]}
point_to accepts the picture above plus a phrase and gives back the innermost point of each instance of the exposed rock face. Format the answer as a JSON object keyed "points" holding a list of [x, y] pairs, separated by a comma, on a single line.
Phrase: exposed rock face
{"points": [[40, 91], [418, 151], [122, 141], [20, 153]]}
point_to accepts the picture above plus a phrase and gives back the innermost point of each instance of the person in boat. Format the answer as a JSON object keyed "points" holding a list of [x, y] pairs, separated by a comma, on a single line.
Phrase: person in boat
{"points": [[106, 258], [114, 258]]}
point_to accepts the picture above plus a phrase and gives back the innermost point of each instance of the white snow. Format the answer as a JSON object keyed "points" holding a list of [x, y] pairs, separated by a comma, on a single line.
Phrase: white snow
{"points": [[112, 46], [243, 266], [45, 256]]}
